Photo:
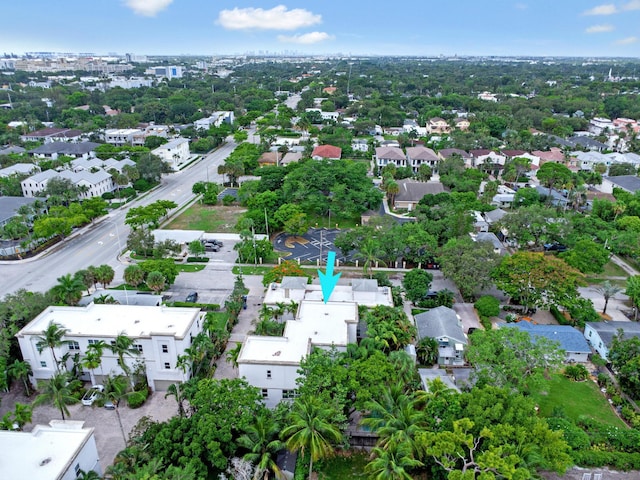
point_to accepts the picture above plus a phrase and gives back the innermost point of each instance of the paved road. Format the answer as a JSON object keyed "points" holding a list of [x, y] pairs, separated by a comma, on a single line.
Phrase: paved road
{"points": [[100, 243]]}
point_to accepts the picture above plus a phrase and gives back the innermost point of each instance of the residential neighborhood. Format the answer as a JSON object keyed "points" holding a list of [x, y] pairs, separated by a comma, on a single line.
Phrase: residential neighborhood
{"points": [[433, 268]]}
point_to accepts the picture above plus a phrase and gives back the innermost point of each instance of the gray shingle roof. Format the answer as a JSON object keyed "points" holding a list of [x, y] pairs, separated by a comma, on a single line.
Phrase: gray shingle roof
{"points": [[410, 190], [631, 183], [608, 330], [10, 205], [571, 340], [494, 215], [364, 285], [64, 148], [440, 322], [294, 283], [391, 153], [422, 153]]}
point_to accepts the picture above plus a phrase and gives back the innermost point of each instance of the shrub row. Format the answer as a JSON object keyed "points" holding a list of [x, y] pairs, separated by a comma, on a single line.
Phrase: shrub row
{"points": [[197, 259], [207, 307]]}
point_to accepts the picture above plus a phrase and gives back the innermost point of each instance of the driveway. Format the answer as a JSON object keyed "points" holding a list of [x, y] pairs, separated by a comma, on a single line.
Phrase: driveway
{"points": [[107, 432]]}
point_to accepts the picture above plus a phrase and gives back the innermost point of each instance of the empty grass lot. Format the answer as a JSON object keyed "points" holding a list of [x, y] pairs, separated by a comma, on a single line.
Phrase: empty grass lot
{"points": [[342, 467], [216, 218], [576, 399]]}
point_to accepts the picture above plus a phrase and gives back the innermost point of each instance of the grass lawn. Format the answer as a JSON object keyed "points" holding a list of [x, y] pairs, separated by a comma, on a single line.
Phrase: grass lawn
{"points": [[191, 267], [210, 218], [576, 399], [218, 319], [342, 467]]}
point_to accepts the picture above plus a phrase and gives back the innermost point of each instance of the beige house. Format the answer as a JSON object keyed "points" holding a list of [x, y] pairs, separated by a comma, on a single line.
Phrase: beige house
{"points": [[411, 192]]}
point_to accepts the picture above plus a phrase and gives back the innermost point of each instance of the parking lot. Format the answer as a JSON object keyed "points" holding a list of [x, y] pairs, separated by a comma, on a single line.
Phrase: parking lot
{"points": [[310, 246]]}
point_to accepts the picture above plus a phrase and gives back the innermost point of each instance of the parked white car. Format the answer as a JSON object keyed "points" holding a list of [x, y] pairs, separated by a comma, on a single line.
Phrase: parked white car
{"points": [[91, 395]]}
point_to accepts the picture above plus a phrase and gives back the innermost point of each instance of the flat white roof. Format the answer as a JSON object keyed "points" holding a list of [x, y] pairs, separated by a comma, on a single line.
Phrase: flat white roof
{"points": [[317, 323], [341, 293], [111, 320], [42, 454]]}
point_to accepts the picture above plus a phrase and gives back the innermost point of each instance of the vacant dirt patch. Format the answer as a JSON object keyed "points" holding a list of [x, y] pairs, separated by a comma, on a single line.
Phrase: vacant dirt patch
{"points": [[216, 218]]}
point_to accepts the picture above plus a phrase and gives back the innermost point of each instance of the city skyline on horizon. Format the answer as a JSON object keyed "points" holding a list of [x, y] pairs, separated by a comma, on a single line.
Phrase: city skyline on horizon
{"points": [[503, 28]]}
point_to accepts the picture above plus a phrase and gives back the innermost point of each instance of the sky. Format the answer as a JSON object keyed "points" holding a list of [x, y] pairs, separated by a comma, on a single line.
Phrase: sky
{"points": [[584, 28]]}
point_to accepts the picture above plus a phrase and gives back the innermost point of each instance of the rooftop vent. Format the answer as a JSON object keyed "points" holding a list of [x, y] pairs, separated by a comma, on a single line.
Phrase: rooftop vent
{"points": [[277, 354], [45, 461], [136, 321]]}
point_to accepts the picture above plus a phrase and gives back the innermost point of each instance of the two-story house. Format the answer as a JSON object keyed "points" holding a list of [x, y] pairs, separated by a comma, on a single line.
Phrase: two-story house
{"points": [[160, 334], [443, 324]]}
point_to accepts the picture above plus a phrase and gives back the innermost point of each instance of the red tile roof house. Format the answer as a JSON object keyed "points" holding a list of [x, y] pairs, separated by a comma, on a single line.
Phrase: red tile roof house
{"points": [[322, 152]]}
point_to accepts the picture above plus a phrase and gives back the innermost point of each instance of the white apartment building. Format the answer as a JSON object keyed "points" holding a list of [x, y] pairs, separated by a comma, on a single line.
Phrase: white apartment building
{"points": [[121, 136], [54, 452], [94, 183], [271, 363], [161, 335], [175, 152], [214, 120]]}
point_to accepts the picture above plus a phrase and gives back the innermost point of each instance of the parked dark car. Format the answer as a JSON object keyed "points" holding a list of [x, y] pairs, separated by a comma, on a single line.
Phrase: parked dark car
{"points": [[192, 297], [555, 247]]}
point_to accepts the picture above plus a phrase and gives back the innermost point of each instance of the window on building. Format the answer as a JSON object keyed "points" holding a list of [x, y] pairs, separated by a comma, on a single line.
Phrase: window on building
{"points": [[165, 348], [138, 347], [73, 345], [167, 366], [590, 332], [43, 364], [268, 373], [77, 469], [91, 341], [289, 394], [265, 393]]}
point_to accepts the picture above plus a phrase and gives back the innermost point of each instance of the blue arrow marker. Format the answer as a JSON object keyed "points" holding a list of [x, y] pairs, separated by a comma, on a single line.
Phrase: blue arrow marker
{"points": [[328, 281]]}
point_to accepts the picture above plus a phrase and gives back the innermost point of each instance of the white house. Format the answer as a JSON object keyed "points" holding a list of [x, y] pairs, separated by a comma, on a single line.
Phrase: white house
{"points": [[161, 335], [387, 155], [214, 120], [121, 136], [54, 452], [271, 363], [420, 155], [600, 334], [174, 152], [93, 184]]}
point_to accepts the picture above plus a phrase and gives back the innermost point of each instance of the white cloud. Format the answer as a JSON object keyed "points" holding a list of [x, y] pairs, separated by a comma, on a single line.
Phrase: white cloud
{"points": [[632, 5], [600, 29], [627, 41], [278, 18], [306, 38], [608, 9], [148, 8]]}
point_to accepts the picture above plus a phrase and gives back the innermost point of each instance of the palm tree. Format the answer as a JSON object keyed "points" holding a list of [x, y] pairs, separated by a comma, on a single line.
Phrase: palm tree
{"points": [[52, 337], [392, 188], [22, 414], [69, 289], [92, 360], [311, 429], [134, 275], [175, 389], [232, 355], [608, 290], [122, 346], [391, 465], [115, 389], [369, 252], [261, 439], [156, 281], [20, 370], [58, 391], [394, 418], [104, 275], [427, 351], [90, 475]]}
